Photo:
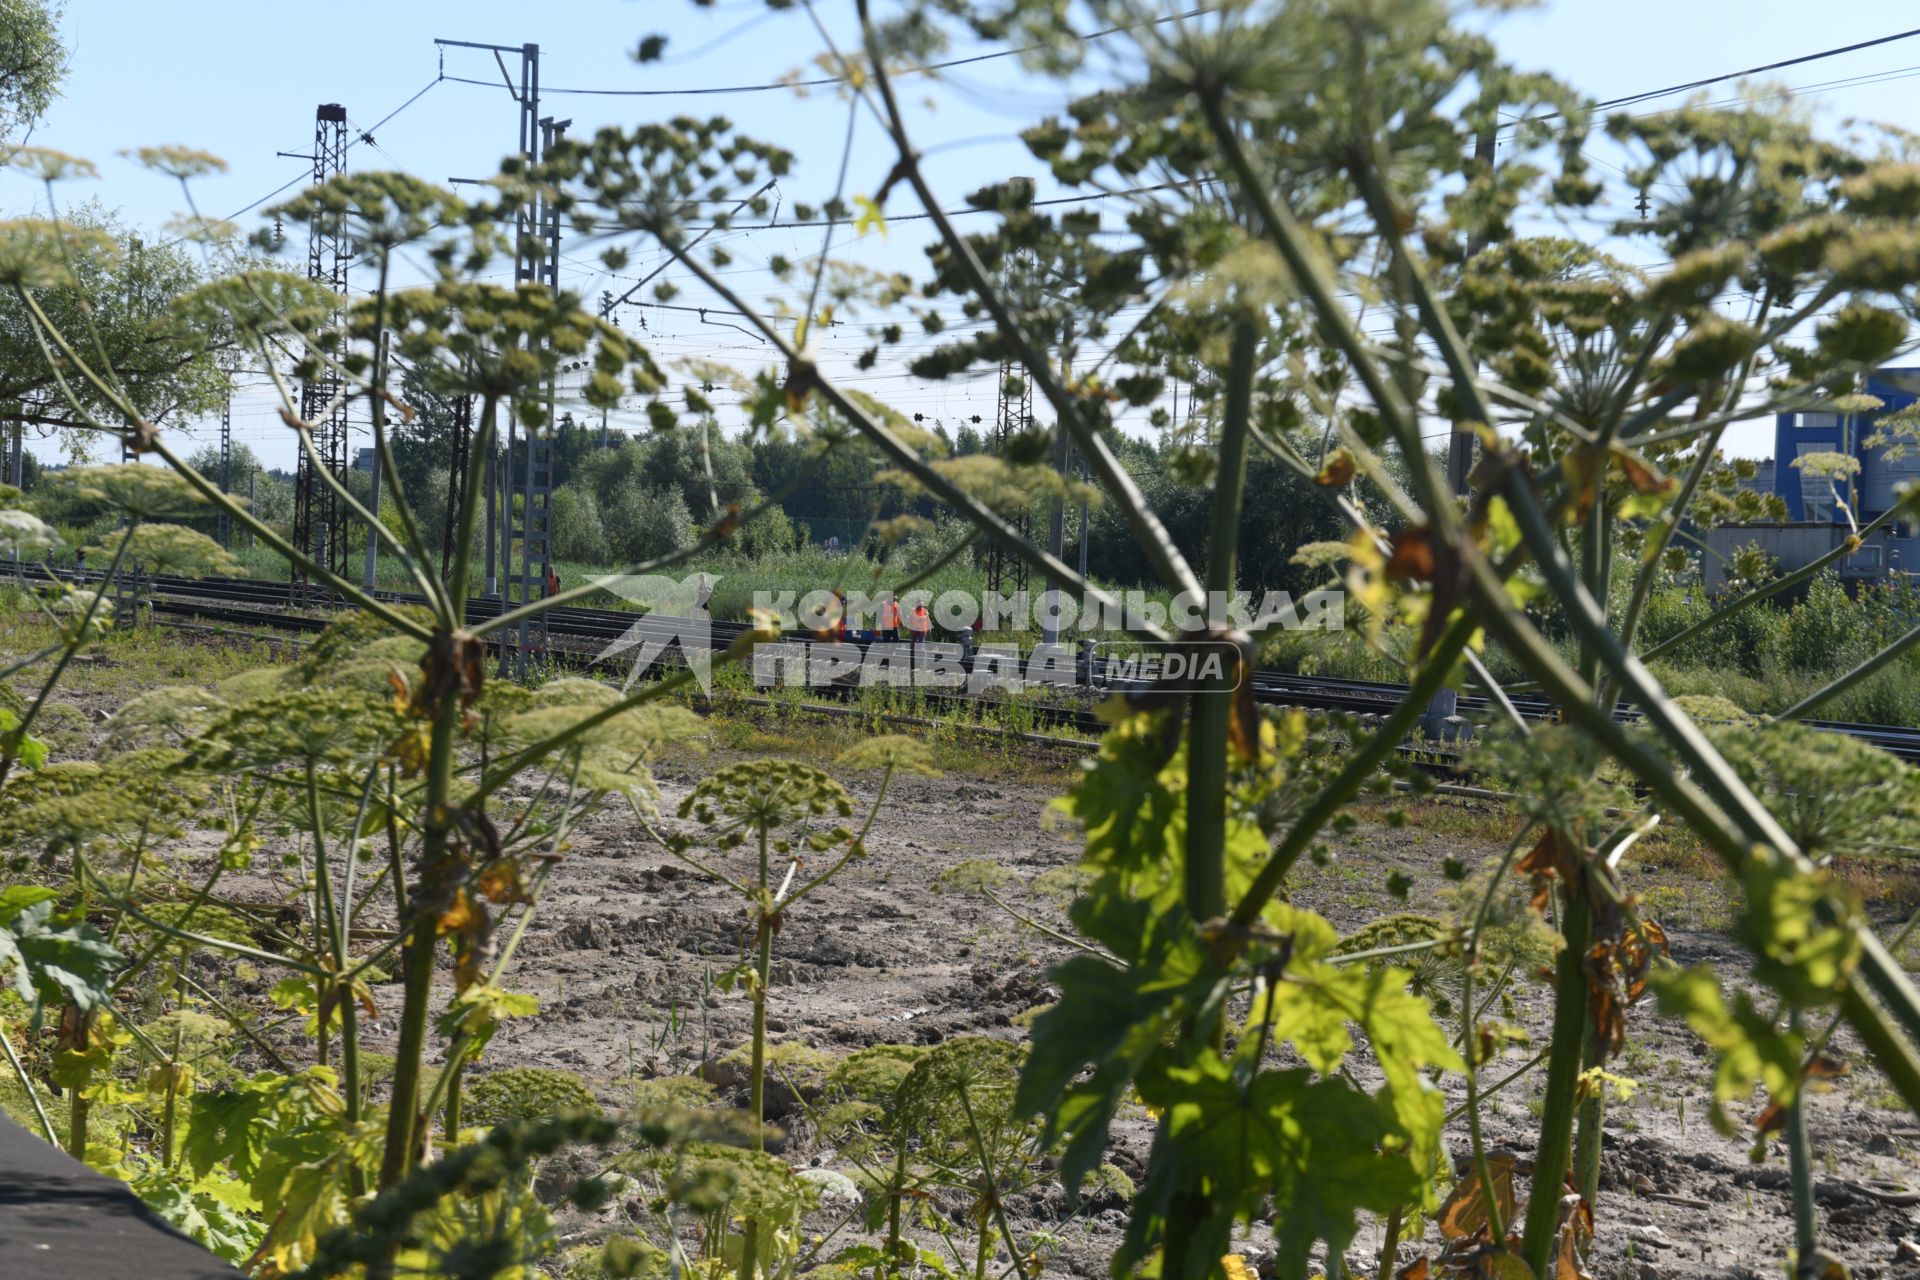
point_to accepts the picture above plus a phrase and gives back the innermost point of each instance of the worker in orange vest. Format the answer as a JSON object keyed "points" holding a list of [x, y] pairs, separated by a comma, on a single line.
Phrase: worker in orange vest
{"points": [[889, 621], [840, 615], [919, 624], [552, 583]]}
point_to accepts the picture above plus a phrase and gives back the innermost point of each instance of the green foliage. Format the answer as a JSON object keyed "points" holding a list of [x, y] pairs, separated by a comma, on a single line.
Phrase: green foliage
{"points": [[972, 877], [526, 1093], [1824, 631], [1833, 795], [1751, 1048], [1322, 152], [35, 62], [174, 549], [49, 960], [1232, 1131]]}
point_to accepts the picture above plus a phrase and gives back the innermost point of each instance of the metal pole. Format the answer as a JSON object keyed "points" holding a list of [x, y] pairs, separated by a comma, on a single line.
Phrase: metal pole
{"points": [[491, 494], [1057, 522], [1442, 718], [16, 471], [1083, 522], [1460, 443], [525, 268], [373, 531]]}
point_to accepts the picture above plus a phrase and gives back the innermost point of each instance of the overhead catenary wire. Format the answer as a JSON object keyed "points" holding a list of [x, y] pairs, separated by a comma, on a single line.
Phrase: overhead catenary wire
{"points": [[1091, 196], [364, 134], [821, 81], [1799, 60]]}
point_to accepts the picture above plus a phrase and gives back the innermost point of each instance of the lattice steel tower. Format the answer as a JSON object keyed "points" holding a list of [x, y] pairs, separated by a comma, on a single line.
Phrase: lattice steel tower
{"points": [[224, 530], [1006, 572], [319, 522]]}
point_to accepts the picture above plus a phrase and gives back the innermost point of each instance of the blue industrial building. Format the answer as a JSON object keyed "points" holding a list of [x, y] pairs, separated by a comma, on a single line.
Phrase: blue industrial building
{"points": [[1877, 487], [1815, 524]]}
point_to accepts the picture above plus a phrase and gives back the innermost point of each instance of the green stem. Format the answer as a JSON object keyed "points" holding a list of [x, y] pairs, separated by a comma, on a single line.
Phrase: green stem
{"points": [[170, 1112], [1555, 1150], [77, 1109], [418, 953], [18, 734], [1390, 1244], [992, 1179], [456, 1065], [1589, 1138], [763, 971], [1800, 1170], [895, 1194], [854, 846], [1360, 767], [1470, 1054], [757, 1077], [33, 1094], [1213, 706], [936, 482], [1148, 532], [239, 1024]]}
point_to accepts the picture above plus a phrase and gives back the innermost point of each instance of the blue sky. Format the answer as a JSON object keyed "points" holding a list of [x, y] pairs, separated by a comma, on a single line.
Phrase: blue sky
{"points": [[242, 79]]}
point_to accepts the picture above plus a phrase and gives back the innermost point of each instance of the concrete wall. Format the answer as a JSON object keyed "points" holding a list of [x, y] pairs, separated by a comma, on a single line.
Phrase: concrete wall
{"points": [[1797, 545]]}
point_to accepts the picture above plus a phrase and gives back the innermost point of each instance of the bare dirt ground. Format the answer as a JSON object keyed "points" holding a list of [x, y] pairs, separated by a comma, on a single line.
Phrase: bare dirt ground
{"points": [[903, 948]]}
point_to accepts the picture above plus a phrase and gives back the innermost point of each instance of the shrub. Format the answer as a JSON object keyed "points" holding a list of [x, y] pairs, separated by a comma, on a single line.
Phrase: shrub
{"points": [[642, 523], [1825, 628], [525, 1093], [577, 532]]}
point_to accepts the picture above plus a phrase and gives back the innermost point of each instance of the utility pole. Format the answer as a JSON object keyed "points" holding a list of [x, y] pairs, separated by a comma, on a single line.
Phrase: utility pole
{"points": [[13, 463], [126, 584], [528, 226], [1057, 522], [461, 447], [373, 530], [490, 495], [1442, 718], [1460, 443], [1083, 521]]}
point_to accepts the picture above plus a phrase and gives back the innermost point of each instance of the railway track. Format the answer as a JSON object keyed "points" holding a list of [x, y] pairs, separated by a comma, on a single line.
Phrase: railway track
{"points": [[577, 632]]}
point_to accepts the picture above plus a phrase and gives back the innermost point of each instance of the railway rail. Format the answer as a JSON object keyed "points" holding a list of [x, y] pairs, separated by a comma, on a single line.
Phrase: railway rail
{"points": [[578, 632]]}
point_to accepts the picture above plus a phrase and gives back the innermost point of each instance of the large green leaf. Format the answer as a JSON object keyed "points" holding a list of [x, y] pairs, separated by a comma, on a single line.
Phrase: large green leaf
{"points": [[1108, 1022], [54, 962], [1229, 1137]]}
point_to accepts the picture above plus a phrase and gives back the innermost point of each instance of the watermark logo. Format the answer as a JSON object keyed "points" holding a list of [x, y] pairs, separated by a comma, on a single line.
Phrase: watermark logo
{"points": [[675, 617], [1172, 666], [922, 641]]}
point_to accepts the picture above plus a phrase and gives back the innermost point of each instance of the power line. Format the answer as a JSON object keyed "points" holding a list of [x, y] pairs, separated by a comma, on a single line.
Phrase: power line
{"points": [[365, 135], [829, 80], [952, 213], [1754, 71]]}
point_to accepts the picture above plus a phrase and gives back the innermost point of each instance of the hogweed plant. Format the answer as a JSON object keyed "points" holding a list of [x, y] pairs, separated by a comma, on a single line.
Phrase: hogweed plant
{"points": [[776, 809], [1287, 168]]}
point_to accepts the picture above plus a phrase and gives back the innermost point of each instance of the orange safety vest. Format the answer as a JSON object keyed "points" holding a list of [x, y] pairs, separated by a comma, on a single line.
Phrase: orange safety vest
{"points": [[921, 623], [890, 615]]}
